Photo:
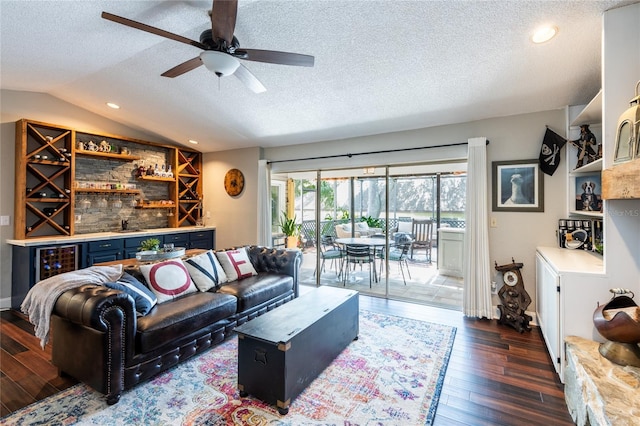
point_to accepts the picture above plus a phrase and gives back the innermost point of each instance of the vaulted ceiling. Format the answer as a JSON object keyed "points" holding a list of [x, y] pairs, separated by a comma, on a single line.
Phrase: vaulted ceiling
{"points": [[380, 66]]}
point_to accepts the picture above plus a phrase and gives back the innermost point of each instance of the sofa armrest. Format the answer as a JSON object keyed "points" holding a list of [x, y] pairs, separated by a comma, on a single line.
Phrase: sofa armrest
{"points": [[279, 261], [93, 335]]}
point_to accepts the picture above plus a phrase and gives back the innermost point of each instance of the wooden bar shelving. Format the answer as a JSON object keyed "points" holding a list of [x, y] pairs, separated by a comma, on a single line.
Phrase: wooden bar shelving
{"points": [[39, 212]]}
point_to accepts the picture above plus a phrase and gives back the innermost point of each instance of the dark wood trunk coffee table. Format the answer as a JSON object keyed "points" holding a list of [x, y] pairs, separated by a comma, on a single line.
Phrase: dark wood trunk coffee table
{"points": [[281, 352]]}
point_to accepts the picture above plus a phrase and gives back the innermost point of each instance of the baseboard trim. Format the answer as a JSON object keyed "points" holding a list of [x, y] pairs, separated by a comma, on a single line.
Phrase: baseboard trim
{"points": [[5, 303]]}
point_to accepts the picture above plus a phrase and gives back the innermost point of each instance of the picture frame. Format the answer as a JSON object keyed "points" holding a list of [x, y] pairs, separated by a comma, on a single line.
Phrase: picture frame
{"points": [[588, 193], [517, 186]]}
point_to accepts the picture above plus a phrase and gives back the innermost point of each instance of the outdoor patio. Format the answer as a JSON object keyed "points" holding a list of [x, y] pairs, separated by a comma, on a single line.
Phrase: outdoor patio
{"points": [[425, 286]]}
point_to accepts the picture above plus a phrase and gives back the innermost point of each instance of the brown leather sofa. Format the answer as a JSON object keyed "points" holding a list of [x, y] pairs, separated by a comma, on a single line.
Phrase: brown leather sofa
{"points": [[98, 339]]}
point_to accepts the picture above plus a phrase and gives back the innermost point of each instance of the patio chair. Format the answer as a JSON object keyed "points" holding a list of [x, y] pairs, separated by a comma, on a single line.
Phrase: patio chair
{"points": [[421, 233], [331, 251], [398, 252], [358, 254]]}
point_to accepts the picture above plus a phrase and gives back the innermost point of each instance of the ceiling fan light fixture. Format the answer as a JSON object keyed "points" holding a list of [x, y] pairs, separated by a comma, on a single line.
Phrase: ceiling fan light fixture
{"points": [[219, 63]]}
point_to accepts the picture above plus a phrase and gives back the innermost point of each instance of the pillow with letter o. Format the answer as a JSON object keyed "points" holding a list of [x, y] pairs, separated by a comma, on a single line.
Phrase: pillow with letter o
{"points": [[168, 279]]}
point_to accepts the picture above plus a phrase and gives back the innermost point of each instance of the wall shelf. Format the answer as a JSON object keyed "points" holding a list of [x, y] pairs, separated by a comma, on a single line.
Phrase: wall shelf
{"points": [[107, 191], [155, 205], [592, 113], [592, 167], [621, 181], [110, 155], [157, 178]]}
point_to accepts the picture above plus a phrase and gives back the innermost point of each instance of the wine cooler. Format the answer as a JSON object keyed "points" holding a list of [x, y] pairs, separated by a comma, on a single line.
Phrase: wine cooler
{"points": [[52, 261]]}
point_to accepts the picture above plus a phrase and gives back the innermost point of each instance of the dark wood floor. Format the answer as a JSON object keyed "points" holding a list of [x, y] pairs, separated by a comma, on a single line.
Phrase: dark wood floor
{"points": [[496, 376]]}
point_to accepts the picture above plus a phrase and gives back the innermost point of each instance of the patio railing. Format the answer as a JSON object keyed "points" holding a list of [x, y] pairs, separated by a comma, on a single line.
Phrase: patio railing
{"points": [[328, 227]]}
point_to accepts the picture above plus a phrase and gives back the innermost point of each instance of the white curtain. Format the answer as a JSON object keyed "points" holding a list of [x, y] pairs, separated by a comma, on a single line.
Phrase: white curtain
{"points": [[264, 204], [477, 265]]}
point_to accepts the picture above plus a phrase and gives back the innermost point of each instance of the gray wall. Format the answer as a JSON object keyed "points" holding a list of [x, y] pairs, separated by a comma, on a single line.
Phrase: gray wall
{"points": [[515, 137], [512, 138]]}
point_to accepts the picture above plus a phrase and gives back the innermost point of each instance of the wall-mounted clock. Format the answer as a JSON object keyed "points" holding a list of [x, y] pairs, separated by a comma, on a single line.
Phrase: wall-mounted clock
{"points": [[234, 182]]}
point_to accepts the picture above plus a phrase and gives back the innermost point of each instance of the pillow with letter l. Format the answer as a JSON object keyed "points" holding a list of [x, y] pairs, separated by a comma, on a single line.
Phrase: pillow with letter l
{"points": [[168, 279], [143, 298], [236, 264], [205, 271]]}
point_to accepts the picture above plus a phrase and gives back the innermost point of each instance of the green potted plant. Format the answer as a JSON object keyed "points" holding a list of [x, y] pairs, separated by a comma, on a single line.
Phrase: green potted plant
{"points": [[290, 229], [150, 244]]}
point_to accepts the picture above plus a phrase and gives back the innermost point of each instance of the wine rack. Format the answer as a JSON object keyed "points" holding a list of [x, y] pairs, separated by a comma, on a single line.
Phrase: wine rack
{"points": [[189, 187], [44, 199], [49, 156]]}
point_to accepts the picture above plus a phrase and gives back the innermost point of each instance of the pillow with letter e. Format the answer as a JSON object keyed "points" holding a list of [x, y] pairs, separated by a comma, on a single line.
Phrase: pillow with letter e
{"points": [[236, 264], [168, 279], [205, 270]]}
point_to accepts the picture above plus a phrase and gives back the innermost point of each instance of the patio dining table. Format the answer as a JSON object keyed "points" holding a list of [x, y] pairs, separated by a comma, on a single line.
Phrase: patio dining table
{"points": [[371, 242]]}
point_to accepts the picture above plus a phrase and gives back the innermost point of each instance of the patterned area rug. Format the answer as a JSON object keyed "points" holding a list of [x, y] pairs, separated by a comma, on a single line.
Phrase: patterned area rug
{"points": [[391, 375]]}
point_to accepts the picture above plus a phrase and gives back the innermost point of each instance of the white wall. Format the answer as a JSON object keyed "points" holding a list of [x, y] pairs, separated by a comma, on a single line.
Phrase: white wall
{"points": [[620, 74], [235, 218], [517, 137]]}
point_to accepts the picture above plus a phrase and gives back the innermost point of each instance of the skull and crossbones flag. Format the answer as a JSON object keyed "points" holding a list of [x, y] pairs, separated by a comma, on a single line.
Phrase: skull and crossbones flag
{"points": [[550, 151]]}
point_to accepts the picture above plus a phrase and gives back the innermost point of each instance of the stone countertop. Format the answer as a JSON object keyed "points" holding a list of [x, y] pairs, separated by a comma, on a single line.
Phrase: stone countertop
{"points": [[106, 236], [573, 261], [598, 391], [452, 230]]}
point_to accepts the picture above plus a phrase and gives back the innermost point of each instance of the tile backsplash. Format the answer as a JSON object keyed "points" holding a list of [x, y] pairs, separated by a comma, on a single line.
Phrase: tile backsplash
{"points": [[99, 216]]}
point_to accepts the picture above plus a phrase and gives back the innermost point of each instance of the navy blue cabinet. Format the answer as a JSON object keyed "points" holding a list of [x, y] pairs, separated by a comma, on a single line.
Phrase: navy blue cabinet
{"points": [[132, 245], [202, 240], [104, 251]]}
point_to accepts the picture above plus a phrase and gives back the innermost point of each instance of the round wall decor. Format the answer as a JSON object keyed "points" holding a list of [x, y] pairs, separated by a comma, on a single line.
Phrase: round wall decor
{"points": [[234, 182]]}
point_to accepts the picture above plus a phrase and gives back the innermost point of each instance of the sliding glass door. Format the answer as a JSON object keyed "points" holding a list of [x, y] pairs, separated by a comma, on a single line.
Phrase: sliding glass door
{"points": [[395, 212]]}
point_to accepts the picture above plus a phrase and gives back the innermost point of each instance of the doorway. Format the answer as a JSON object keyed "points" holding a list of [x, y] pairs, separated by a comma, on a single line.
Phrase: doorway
{"points": [[353, 203]]}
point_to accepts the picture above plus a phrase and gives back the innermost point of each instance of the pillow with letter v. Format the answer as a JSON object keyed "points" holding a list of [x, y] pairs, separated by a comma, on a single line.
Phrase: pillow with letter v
{"points": [[168, 279], [236, 264], [205, 270]]}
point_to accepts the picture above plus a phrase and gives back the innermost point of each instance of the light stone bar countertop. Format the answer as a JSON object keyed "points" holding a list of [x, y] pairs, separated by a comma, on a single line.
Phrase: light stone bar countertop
{"points": [[107, 236]]}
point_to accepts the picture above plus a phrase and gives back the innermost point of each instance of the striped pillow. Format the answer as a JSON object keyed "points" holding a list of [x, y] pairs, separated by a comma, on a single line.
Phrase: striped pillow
{"points": [[143, 298]]}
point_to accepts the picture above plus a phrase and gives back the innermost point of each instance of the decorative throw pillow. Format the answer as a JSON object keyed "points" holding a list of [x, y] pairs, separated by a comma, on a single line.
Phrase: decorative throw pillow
{"points": [[405, 226], [346, 227], [205, 271], [236, 264], [362, 226], [143, 298], [168, 279]]}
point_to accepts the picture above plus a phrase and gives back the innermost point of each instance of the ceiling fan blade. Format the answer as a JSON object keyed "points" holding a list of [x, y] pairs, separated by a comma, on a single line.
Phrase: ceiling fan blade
{"points": [[152, 30], [249, 80], [275, 57], [223, 19], [183, 67]]}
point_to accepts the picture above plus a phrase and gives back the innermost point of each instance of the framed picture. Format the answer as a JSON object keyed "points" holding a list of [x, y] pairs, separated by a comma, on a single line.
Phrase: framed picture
{"points": [[518, 186], [588, 193]]}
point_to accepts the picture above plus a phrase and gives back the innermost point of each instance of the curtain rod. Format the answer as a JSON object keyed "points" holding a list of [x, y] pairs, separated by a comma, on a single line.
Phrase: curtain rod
{"points": [[385, 151]]}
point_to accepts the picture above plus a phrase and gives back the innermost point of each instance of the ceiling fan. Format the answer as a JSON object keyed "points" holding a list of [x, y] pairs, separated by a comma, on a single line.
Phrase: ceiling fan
{"points": [[221, 49]]}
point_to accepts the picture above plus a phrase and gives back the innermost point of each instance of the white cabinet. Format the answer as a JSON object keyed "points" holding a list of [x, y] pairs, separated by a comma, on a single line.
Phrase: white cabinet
{"points": [[450, 247], [569, 286]]}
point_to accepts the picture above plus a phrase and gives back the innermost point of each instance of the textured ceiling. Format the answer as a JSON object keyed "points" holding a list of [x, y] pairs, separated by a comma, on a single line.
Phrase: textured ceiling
{"points": [[380, 66]]}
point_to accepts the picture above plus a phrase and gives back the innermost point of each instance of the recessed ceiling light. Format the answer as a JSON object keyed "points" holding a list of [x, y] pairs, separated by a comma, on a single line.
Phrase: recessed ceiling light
{"points": [[112, 105], [544, 34], [193, 142]]}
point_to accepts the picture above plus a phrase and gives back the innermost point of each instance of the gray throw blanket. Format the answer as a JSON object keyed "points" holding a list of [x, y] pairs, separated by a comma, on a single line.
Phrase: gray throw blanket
{"points": [[41, 298]]}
